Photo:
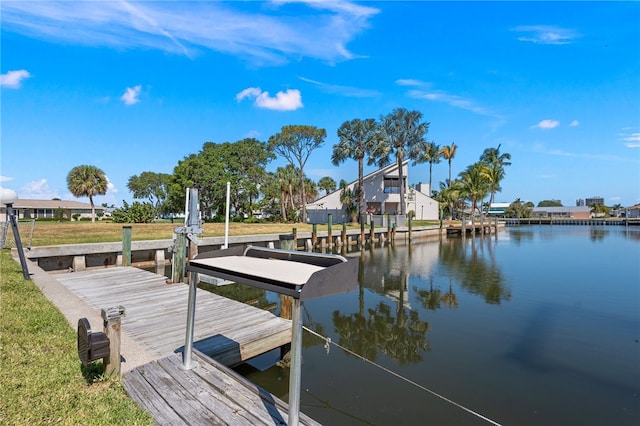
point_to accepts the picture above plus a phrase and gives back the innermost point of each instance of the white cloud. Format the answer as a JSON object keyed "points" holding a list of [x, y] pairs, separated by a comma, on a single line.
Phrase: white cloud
{"points": [[131, 95], [574, 123], [632, 140], [273, 34], [547, 124], [111, 188], [290, 100], [38, 190], [250, 92], [13, 79], [545, 34], [5, 178]]}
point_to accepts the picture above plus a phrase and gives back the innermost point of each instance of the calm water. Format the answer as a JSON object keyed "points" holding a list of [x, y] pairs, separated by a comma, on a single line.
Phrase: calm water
{"points": [[539, 326]]}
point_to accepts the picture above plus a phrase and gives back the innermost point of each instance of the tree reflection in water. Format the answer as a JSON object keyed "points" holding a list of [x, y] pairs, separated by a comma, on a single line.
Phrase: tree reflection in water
{"points": [[400, 333], [471, 262]]}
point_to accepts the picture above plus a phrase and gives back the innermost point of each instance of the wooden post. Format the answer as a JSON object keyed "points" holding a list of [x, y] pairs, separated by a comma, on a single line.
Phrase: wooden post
{"points": [[126, 246], [372, 233], [314, 235], [410, 225], [329, 239], [344, 233], [294, 231], [393, 233], [286, 306], [362, 238], [111, 327], [388, 228], [178, 261]]}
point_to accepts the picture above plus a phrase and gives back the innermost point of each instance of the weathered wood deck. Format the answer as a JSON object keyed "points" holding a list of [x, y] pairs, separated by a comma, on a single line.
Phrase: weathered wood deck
{"points": [[228, 331], [209, 394]]}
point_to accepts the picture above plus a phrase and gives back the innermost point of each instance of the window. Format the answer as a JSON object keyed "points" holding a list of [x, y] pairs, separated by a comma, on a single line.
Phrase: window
{"points": [[391, 185]]}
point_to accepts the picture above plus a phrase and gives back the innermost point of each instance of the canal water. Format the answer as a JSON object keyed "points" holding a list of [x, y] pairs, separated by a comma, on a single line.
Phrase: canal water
{"points": [[539, 325]]}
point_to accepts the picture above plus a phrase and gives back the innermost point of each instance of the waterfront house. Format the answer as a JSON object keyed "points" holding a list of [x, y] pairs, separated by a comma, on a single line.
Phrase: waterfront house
{"points": [[633, 211], [382, 197], [46, 209], [577, 212]]}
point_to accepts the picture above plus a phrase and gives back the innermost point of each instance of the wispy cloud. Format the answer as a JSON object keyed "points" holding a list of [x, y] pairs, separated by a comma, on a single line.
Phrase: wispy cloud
{"points": [[13, 79], [632, 140], [5, 178], [546, 124], [283, 101], [423, 90], [250, 30], [574, 123], [542, 149], [546, 34], [131, 95], [347, 91]]}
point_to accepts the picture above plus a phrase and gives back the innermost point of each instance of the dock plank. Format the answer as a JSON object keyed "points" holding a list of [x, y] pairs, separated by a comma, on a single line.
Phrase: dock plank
{"points": [[208, 394]]}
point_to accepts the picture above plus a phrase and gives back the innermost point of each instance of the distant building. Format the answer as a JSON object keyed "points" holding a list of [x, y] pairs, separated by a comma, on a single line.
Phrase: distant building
{"points": [[578, 212], [498, 209], [580, 202], [633, 211], [594, 200], [42, 209]]}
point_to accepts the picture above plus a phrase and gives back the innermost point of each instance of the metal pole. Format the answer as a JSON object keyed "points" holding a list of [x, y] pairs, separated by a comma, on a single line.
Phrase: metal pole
{"points": [[296, 365], [187, 361], [16, 236], [226, 222]]}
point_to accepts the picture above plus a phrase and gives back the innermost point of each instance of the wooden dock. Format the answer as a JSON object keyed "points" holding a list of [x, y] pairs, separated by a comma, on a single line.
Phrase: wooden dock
{"points": [[227, 331], [156, 313], [209, 394], [469, 229]]}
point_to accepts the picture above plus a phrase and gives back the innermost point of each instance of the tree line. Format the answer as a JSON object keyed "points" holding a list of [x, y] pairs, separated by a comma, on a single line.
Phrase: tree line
{"points": [[283, 194]]}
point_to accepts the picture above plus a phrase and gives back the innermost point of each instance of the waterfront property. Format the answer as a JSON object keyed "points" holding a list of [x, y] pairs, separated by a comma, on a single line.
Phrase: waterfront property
{"points": [[382, 196], [46, 209]]}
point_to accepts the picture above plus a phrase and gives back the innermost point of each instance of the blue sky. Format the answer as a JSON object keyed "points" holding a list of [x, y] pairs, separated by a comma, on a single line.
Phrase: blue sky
{"points": [[137, 86]]}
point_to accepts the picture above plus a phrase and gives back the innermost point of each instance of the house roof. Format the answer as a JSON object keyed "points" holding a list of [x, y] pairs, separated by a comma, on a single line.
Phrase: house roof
{"points": [[382, 171], [53, 204]]}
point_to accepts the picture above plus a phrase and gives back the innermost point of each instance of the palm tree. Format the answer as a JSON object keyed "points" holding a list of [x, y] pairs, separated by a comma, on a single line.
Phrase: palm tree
{"points": [[403, 132], [496, 163], [327, 184], [448, 152], [358, 138], [428, 152], [87, 181], [286, 177], [449, 194], [474, 185]]}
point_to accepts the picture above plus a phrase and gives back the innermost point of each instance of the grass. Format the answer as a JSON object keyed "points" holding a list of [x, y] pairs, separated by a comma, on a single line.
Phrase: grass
{"points": [[41, 378], [55, 233]]}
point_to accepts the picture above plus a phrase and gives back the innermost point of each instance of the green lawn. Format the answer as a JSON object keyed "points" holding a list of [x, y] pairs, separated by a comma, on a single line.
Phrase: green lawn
{"points": [[41, 378]]}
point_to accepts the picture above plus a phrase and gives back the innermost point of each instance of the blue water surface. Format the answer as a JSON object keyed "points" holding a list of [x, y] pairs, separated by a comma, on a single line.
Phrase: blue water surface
{"points": [[539, 325]]}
